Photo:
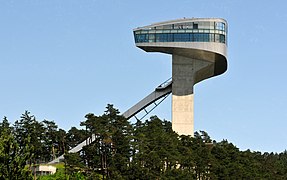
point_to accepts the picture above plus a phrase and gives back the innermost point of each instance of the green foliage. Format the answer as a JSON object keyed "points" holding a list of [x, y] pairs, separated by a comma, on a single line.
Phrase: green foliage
{"points": [[13, 157], [145, 150], [73, 164], [75, 136], [109, 154]]}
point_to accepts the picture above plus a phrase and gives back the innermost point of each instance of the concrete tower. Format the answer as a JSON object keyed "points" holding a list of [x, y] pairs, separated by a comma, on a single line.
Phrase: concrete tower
{"points": [[198, 47]]}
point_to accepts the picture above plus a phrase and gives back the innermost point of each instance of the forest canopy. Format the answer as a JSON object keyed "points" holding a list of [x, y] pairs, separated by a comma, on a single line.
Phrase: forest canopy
{"points": [[147, 149]]}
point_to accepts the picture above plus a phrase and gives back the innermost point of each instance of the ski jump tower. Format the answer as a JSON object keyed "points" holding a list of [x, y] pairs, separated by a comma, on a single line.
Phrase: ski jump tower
{"points": [[198, 47]]}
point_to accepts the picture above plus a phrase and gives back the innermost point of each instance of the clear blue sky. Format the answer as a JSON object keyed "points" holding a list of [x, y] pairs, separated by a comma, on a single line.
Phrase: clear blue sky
{"points": [[63, 59]]}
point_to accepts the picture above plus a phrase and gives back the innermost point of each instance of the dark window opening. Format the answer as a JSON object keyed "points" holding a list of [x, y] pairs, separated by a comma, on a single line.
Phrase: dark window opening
{"points": [[180, 37]]}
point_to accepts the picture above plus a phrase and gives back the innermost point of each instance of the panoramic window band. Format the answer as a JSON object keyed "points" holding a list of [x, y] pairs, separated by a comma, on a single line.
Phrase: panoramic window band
{"points": [[180, 37], [183, 32]]}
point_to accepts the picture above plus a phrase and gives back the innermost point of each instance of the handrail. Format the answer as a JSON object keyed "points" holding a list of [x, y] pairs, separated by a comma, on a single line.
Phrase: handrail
{"points": [[164, 84], [162, 31]]}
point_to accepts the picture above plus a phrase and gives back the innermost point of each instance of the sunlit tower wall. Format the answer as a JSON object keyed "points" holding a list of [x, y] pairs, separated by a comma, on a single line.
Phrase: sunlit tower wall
{"points": [[198, 47]]}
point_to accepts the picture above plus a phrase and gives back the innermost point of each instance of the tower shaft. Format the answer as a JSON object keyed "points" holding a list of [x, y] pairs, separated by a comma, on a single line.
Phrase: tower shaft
{"points": [[185, 71]]}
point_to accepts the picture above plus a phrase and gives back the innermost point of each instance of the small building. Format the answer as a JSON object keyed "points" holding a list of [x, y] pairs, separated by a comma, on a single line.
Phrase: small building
{"points": [[43, 170]]}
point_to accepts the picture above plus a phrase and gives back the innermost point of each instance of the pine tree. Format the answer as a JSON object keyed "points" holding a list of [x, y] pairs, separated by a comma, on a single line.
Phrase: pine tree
{"points": [[28, 126], [13, 157]]}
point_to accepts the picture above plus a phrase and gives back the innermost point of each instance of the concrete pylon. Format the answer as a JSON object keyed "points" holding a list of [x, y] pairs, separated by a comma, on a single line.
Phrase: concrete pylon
{"points": [[184, 70]]}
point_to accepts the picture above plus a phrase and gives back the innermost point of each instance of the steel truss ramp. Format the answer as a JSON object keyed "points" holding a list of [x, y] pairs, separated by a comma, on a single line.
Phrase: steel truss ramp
{"points": [[161, 92], [147, 111]]}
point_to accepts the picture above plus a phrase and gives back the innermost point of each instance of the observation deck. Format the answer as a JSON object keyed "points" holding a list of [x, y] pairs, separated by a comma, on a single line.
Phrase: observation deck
{"points": [[200, 38], [183, 30]]}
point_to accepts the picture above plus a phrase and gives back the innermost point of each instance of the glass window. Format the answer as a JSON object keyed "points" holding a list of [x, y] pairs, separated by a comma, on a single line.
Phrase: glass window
{"points": [[170, 38], [179, 26], [181, 37], [159, 31], [220, 26], [195, 31], [201, 37], [189, 25], [164, 37], [221, 38], [161, 37], [204, 25], [216, 38], [151, 38], [184, 32], [177, 37], [181, 31], [144, 32], [166, 31], [205, 37], [139, 38], [211, 37], [198, 37]]}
